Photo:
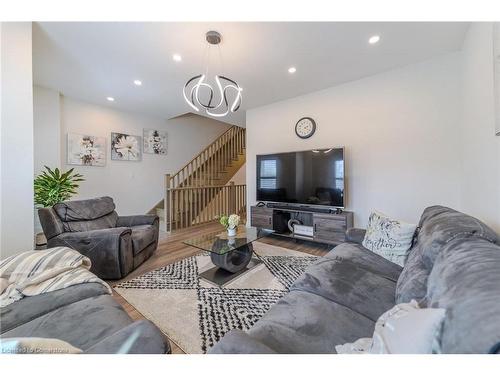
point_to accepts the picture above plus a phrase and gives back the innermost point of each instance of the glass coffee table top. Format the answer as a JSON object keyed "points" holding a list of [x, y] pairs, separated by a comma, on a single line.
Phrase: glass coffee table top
{"points": [[220, 243]]}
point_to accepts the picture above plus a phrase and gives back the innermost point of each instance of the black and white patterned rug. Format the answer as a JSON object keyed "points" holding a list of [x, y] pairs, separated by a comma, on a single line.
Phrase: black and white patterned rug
{"points": [[194, 314]]}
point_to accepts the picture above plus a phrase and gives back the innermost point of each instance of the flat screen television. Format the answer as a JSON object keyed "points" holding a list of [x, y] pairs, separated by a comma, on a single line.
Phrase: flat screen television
{"points": [[312, 178]]}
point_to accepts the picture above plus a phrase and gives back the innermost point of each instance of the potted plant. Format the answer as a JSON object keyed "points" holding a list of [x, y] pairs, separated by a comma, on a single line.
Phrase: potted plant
{"points": [[230, 223], [54, 186]]}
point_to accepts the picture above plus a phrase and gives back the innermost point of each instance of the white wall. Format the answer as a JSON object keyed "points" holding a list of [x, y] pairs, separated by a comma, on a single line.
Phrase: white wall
{"points": [[240, 177], [399, 129], [16, 232], [480, 177], [135, 186], [47, 129]]}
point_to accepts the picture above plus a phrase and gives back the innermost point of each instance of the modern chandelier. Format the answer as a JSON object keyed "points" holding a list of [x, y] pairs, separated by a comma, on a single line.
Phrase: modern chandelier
{"points": [[200, 94]]}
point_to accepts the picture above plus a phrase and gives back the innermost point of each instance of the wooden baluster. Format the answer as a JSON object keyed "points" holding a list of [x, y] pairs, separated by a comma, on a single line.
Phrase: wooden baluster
{"points": [[198, 209], [210, 163], [207, 200], [167, 204], [232, 197], [175, 208], [191, 206]]}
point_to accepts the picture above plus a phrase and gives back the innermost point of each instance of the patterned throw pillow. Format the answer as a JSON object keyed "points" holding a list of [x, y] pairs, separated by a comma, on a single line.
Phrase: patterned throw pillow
{"points": [[404, 329], [388, 237]]}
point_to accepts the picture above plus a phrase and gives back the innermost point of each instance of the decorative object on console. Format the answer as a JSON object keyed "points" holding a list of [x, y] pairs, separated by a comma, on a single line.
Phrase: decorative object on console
{"points": [[305, 127], [198, 93], [230, 223], [155, 142], [395, 332], [86, 150], [389, 238], [292, 223], [125, 147]]}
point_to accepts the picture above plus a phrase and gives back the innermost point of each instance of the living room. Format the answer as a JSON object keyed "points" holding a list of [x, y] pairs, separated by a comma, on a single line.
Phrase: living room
{"points": [[212, 186]]}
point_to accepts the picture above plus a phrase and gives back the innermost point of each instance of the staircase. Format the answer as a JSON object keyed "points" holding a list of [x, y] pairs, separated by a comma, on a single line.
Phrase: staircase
{"points": [[202, 189]]}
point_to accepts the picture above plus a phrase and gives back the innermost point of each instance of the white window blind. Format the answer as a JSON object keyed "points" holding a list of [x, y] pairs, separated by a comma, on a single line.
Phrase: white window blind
{"points": [[268, 174]]}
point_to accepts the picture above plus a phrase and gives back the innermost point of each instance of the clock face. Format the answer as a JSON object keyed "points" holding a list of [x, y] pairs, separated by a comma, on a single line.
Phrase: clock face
{"points": [[305, 127]]}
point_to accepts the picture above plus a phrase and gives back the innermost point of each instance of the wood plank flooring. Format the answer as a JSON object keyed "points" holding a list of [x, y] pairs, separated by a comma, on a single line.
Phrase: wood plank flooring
{"points": [[171, 249]]}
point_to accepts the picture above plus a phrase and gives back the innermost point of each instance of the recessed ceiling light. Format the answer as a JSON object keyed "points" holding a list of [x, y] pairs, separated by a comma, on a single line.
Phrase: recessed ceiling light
{"points": [[110, 99], [138, 82], [292, 70], [374, 39], [177, 57]]}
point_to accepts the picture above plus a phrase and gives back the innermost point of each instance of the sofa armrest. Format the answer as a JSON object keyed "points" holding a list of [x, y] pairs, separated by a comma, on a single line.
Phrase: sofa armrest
{"points": [[140, 337], [109, 250], [355, 235], [51, 223], [132, 221], [238, 342]]}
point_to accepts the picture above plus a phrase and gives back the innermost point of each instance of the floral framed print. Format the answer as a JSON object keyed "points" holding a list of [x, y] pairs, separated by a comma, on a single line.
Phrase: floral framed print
{"points": [[86, 150], [125, 147], [155, 141]]}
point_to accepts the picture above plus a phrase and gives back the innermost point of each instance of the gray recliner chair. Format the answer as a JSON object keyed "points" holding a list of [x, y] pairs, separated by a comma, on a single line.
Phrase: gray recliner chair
{"points": [[116, 245]]}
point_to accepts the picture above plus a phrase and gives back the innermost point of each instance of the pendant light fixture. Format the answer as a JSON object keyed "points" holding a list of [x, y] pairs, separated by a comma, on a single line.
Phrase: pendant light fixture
{"points": [[200, 94]]}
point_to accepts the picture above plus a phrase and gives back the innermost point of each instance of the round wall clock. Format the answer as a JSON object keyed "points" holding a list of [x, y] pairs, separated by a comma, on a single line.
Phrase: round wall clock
{"points": [[305, 127]]}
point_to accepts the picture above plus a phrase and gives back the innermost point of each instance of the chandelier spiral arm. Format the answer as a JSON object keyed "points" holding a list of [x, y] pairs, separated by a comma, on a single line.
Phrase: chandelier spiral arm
{"points": [[228, 92]]}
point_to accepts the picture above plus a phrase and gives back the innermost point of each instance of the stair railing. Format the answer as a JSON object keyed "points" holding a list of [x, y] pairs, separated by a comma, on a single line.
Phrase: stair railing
{"points": [[205, 168], [188, 206], [194, 194]]}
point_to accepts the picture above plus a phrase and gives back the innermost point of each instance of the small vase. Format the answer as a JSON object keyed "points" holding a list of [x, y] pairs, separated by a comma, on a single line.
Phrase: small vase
{"points": [[231, 232]]}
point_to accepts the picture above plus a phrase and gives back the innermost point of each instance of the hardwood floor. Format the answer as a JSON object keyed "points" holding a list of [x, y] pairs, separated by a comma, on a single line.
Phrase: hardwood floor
{"points": [[171, 249]]}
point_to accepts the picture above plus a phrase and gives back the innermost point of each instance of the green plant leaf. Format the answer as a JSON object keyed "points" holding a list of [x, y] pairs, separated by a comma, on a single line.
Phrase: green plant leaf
{"points": [[54, 186]]}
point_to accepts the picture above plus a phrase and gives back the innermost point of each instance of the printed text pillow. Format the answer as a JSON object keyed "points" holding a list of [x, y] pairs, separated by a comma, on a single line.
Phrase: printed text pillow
{"points": [[389, 238]]}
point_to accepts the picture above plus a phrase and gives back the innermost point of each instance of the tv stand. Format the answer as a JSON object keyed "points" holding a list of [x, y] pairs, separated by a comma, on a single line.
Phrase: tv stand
{"points": [[329, 225]]}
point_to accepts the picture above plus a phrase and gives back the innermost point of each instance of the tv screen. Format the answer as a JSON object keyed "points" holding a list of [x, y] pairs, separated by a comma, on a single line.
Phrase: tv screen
{"points": [[314, 177]]}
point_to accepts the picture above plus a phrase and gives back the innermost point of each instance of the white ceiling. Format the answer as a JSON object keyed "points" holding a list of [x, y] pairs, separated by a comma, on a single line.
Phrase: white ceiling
{"points": [[91, 61]]}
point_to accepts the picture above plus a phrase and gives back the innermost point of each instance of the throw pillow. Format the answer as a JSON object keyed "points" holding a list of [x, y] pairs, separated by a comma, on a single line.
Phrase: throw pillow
{"points": [[404, 329], [389, 238], [36, 345]]}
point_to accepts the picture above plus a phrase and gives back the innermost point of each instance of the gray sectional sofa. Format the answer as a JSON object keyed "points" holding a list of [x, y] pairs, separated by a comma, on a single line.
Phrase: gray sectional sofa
{"points": [[454, 263], [116, 245], [84, 316]]}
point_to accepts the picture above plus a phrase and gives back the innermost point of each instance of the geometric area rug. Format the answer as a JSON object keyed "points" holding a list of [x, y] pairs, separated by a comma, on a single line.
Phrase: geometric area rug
{"points": [[195, 314]]}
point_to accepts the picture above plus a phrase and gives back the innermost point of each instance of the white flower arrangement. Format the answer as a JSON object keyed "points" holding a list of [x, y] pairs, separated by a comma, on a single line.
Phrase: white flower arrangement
{"points": [[229, 222], [233, 221]]}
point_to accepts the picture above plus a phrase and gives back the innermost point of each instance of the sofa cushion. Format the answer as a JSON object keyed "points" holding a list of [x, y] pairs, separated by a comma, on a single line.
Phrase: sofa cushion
{"points": [[89, 209], [412, 282], [438, 225], [142, 236], [140, 337], [465, 280], [345, 283], [82, 324], [367, 259], [30, 308], [388, 237], [104, 222], [302, 322]]}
